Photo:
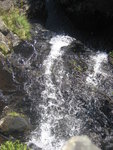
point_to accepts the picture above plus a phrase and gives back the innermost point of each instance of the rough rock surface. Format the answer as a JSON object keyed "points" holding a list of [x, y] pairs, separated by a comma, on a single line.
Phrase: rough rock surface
{"points": [[88, 13], [6, 5]]}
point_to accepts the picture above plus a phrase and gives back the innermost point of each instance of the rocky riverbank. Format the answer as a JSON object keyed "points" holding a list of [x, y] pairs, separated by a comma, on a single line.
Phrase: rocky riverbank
{"points": [[14, 28]]}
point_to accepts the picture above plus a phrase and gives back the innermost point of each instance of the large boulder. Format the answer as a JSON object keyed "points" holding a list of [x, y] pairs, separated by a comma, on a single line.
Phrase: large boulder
{"points": [[88, 13], [79, 143], [14, 122]]}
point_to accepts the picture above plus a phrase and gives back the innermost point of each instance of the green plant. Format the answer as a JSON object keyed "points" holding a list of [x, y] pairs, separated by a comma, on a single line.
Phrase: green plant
{"points": [[76, 66], [17, 23], [3, 48], [9, 145], [111, 53]]}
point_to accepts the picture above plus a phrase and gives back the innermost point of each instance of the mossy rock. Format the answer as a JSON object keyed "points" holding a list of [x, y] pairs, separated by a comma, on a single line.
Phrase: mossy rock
{"points": [[110, 57], [17, 23], [15, 114], [4, 49], [14, 122]]}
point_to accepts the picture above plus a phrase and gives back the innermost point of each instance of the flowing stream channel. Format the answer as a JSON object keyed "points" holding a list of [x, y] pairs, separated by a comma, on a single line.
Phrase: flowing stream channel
{"points": [[59, 121], [52, 97], [72, 105]]}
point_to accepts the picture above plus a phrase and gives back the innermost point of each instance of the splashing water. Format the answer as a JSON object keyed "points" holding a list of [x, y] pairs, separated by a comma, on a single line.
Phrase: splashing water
{"points": [[97, 59], [52, 98]]}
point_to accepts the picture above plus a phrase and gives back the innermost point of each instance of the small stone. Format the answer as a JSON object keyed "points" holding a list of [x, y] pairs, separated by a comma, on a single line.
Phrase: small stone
{"points": [[11, 124]]}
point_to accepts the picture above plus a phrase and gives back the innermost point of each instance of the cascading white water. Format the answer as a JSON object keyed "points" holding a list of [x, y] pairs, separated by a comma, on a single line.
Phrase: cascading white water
{"points": [[97, 61], [52, 97]]}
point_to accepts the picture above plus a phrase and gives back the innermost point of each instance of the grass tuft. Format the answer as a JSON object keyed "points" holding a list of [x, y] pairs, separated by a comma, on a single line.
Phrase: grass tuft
{"points": [[9, 145], [17, 23]]}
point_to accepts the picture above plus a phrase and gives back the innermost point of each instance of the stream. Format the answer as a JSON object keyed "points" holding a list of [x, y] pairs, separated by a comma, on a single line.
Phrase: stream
{"points": [[72, 103], [69, 107]]}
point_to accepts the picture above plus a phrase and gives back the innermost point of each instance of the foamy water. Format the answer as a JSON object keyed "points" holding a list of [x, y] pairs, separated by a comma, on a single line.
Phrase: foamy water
{"points": [[42, 136], [97, 60]]}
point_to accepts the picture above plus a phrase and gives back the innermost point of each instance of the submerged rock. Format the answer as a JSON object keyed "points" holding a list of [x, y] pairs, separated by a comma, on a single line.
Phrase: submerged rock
{"points": [[79, 143]]}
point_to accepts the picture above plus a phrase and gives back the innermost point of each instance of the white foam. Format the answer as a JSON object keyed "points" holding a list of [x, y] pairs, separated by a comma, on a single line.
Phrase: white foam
{"points": [[98, 59], [45, 139]]}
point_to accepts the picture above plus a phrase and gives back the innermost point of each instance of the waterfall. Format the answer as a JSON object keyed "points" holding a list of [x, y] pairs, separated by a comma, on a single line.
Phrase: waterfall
{"points": [[52, 97]]}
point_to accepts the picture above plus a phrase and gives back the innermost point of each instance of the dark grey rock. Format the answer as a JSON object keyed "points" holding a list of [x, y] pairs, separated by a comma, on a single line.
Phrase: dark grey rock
{"points": [[11, 124]]}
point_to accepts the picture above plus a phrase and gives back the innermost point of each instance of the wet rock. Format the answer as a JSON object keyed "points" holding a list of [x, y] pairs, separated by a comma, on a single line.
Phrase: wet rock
{"points": [[24, 49], [14, 122], [34, 147], [6, 80], [79, 143], [73, 61], [76, 46], [88, 13]]}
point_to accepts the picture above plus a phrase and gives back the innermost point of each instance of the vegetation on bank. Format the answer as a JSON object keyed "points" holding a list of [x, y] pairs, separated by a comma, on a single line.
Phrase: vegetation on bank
{"points": [[111, 54], [17, 23], [9, 145]]}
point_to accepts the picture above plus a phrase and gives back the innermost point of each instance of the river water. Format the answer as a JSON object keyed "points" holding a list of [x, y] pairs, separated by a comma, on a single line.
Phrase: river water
{"points": [[59, 114]]}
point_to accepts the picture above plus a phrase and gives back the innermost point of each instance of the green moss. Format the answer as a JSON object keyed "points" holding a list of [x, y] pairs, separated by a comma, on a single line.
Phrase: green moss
{"points": [[111, 54], [4, 49], [76, 67], [9, 145], [17, 23], [15, 114]]}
